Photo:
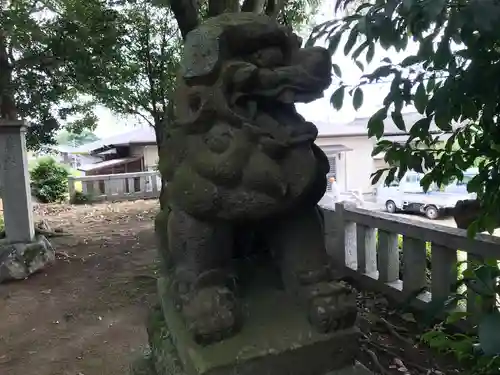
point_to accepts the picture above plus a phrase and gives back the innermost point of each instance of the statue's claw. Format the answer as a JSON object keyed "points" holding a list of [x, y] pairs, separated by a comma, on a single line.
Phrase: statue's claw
{"points": [[331, 306], [212, 314]]}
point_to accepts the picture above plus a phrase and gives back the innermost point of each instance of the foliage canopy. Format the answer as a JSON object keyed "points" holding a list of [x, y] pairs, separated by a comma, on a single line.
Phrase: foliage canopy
{"points": [[44, 46]]}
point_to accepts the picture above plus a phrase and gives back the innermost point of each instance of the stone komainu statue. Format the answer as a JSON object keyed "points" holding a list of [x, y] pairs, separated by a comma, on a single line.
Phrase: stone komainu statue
{"points": [[239, 158]]}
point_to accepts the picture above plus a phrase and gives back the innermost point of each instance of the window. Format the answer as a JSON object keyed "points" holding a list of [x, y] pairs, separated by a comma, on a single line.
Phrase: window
{"points": [[413, 178]]}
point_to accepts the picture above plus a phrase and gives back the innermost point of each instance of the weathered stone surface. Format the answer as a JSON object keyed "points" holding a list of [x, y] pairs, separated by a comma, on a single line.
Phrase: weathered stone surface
{"points": [[241, 163], [20, 260], [276, 339]]}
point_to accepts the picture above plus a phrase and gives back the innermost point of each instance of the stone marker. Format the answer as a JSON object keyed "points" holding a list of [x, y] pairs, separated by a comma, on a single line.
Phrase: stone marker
{"points": [[21, 252], [247, 287], [15, 182]]}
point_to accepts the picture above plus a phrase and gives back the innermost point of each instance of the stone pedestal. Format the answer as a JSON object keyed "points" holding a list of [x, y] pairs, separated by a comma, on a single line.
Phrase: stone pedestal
{"points": [[21, 253], [20, 260], [276, 339], [15, 182]]}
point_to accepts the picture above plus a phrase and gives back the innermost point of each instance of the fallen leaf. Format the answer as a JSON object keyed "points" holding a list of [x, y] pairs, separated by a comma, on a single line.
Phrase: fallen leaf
{"points": [[408, 317]]}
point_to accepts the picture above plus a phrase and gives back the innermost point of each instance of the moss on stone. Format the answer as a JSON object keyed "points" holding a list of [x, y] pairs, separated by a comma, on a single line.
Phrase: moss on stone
{"points": [[192, 192], [143, 365], [163, 353], [276, 335], [265, 175], [161, 231]]}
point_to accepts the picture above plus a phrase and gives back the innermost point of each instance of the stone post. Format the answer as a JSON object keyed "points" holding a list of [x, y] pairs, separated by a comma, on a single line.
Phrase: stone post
{"points": [[15, 182]]}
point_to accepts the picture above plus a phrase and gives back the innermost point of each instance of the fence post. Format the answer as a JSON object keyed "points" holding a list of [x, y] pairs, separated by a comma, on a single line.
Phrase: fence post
{"points": [[71, 187], [338, 252]]}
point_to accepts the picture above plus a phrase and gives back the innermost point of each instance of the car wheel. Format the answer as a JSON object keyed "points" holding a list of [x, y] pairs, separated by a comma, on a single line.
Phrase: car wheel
{"points": [[432, 212], [390, 207]]}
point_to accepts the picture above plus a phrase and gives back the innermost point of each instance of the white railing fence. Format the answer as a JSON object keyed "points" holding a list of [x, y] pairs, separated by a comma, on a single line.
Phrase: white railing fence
{"points": [[365, 245], [116, 187]]}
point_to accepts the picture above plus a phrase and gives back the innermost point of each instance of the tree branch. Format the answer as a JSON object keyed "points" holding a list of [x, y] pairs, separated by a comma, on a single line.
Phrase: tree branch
{"points": [[186, 14], [149, 68], [216, 7], [135, 112], [255, 6], [274, 7]]}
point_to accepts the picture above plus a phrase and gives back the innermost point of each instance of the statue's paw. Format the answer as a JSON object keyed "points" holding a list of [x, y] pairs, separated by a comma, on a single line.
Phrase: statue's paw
{"points": [[332, 306], [212, 314]]}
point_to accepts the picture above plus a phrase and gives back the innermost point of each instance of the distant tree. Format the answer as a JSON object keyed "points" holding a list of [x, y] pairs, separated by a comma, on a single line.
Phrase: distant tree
{"points": [[43, 45], [70, 138], [140, 79]]}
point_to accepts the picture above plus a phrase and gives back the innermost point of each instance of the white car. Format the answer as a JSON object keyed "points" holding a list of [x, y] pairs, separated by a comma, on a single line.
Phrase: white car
{"points": [[460, 186], [408, 195]]}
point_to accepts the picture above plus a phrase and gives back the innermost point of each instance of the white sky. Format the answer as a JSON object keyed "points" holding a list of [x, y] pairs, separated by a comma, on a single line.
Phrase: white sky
{"points": [[319, 110]]}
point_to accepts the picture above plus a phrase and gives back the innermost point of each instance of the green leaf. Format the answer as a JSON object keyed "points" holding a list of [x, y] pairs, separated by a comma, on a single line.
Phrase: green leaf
{"points": [[337, 98], [456, 316], [381, 146], [488, 334], [420, 98], [433, 8], [334, 43], [421, 127], [442, 118], [426, 49], [411, 60], [359, 65], [380, 72], [360, 49], [351, 40], [370, 53], [376, 123], [357, 98], [443, 54], [398, 120], [431, 83], [336, 70], [377, 175]]}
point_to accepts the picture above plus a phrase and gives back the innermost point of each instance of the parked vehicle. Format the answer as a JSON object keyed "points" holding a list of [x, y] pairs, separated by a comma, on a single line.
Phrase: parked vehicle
{"points": [[460, 186], [408, 195]]}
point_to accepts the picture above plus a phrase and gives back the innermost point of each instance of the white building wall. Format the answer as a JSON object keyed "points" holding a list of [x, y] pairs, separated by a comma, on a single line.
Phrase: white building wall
{"points": [[358, 165], [149, 154], [150, 157]]}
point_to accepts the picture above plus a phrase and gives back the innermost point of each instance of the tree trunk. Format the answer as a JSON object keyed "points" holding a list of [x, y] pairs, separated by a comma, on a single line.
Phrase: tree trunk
{"points": [[273, 7], [216, 7], [186, 14], [7, 107], [160, 139], [255, 6]]}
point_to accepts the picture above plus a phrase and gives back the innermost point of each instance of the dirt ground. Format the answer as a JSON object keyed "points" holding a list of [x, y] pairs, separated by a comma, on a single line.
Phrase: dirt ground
{"points": [[85, 315]]}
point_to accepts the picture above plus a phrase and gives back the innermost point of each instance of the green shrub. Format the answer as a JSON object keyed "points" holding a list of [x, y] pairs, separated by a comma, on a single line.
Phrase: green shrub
{"points": [[478, 349], [80, 198], [49, 181]]}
